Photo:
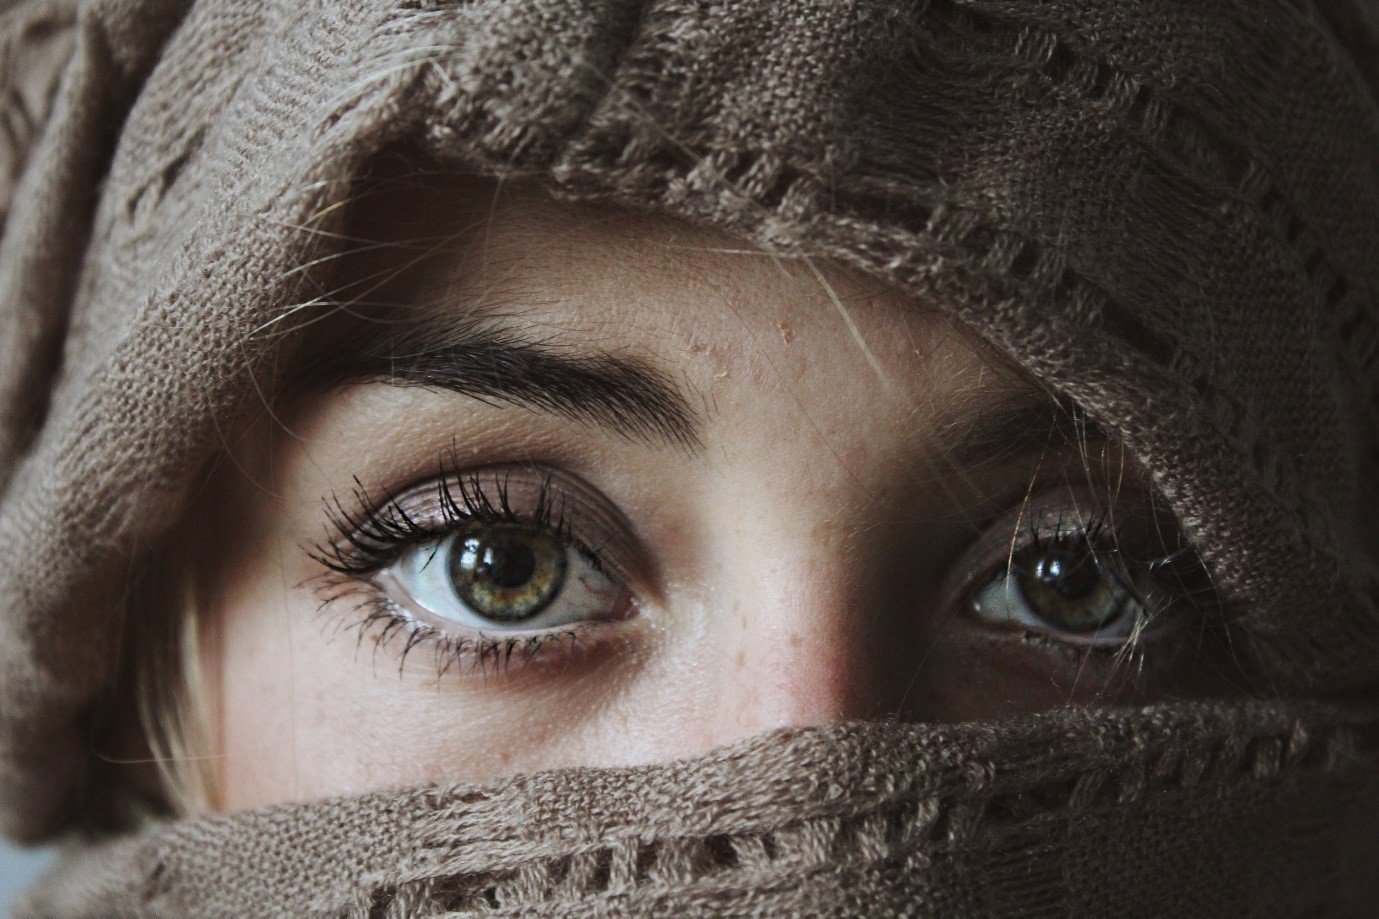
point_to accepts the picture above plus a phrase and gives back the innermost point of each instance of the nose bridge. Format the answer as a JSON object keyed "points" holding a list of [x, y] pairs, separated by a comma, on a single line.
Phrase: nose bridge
{"points": [[798, 654], [796, 564]]}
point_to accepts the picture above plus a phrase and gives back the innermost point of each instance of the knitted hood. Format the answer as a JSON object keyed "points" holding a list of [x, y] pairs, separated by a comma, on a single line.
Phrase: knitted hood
{"points": [[1167, 212]]}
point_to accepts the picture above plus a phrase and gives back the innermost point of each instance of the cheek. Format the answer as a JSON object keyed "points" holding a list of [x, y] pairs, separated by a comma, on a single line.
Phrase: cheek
{"points": [[971, 673], [307, 708]]}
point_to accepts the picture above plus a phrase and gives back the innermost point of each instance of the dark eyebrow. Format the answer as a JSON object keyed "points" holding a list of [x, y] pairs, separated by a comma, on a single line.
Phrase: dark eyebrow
{"points": [[494, 365], [1042, 423]]}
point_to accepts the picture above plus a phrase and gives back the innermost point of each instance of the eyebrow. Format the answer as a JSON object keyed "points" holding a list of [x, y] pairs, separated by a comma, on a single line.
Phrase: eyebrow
{"points": [[1041, 423], [495, 365]]}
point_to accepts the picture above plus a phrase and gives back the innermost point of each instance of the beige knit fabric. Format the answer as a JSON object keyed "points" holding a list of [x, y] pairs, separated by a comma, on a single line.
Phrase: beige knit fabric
{"points": [[1167, 210], [1253, 811]]}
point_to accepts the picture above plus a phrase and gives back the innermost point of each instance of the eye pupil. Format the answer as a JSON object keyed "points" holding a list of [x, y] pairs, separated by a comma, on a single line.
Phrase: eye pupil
{"points": [[507, 573], [506, 563], [1071, 578]]}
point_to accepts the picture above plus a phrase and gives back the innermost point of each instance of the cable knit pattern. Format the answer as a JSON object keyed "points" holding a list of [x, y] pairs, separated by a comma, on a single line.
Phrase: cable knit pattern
{"points": [[1170, 811]]}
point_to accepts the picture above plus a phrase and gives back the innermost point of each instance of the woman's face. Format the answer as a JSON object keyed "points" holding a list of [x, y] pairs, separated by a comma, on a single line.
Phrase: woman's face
{"points": [[565, 487]]}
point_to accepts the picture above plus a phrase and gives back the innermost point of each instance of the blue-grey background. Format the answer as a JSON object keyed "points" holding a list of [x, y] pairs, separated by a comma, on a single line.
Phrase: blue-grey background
{"points": [[17, 868]]}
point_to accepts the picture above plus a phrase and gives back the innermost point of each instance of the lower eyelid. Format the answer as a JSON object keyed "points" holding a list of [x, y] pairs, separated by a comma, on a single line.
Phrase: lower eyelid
{"points": [[462, 652], [965, 575]]}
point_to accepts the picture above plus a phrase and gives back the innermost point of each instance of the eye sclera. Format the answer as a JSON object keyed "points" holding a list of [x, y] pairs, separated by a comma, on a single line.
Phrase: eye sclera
{"points": [[1127, 622], [422, 581]]}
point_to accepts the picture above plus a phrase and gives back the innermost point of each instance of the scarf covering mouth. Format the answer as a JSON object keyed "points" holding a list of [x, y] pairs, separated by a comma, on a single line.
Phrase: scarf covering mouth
{"points": [[1167, 212], [1251, 810]]}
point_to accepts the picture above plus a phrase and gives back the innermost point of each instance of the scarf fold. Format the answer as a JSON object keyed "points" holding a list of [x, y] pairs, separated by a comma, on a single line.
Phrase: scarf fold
{"points": [[1177, 810]]}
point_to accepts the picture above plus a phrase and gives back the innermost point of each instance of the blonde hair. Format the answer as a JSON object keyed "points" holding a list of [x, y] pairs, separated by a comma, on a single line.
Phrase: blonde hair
{"points": [[167, 679]]}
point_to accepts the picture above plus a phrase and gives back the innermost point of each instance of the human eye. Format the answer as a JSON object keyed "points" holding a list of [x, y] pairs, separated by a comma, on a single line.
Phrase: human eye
{"points": [[1097, 578], [488, 567]]}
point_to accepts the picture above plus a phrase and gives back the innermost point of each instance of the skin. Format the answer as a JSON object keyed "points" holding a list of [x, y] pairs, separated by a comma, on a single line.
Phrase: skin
{"points": [[805, 561]]}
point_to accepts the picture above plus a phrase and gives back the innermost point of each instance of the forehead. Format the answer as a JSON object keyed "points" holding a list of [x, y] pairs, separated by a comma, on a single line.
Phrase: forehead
{"points": [[438, 248], [584, 330]]}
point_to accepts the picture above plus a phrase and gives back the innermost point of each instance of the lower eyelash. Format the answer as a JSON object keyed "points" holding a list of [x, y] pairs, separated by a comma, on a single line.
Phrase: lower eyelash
{"points": [[374, 617]]}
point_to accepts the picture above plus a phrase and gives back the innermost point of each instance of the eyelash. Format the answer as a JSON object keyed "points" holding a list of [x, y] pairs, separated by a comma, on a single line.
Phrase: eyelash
{"points": [[367, 542], [364, 543], [1103, 543]]}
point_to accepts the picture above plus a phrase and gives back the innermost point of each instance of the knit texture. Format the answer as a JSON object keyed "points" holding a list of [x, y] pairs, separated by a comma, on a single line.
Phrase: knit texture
{"points": [[1166, 211], [1251, 811]]}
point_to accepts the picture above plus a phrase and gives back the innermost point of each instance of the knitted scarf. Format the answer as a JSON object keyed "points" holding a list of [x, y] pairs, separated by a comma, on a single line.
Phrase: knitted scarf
{"points": [[1173, 811], [1166, 211]]}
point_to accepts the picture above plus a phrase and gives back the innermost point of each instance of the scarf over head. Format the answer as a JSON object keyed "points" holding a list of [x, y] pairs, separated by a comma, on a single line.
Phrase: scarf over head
{"points": [[1167, 211]]}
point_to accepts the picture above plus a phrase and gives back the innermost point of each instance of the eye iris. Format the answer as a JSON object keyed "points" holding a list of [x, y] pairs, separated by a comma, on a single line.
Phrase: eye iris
{"points": [[1069, 590], [506, 573]]}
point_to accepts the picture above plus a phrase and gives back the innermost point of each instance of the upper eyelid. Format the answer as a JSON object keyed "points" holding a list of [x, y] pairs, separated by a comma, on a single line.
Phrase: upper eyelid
{"points": [[557, 501], [610, 538], [1036, 425], [1006, 532]]}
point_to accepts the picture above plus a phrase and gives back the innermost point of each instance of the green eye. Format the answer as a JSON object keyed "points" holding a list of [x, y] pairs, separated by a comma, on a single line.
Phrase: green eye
{"points": [[504, 578], [1064, 591], [507, 574], [1069, 589]]}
